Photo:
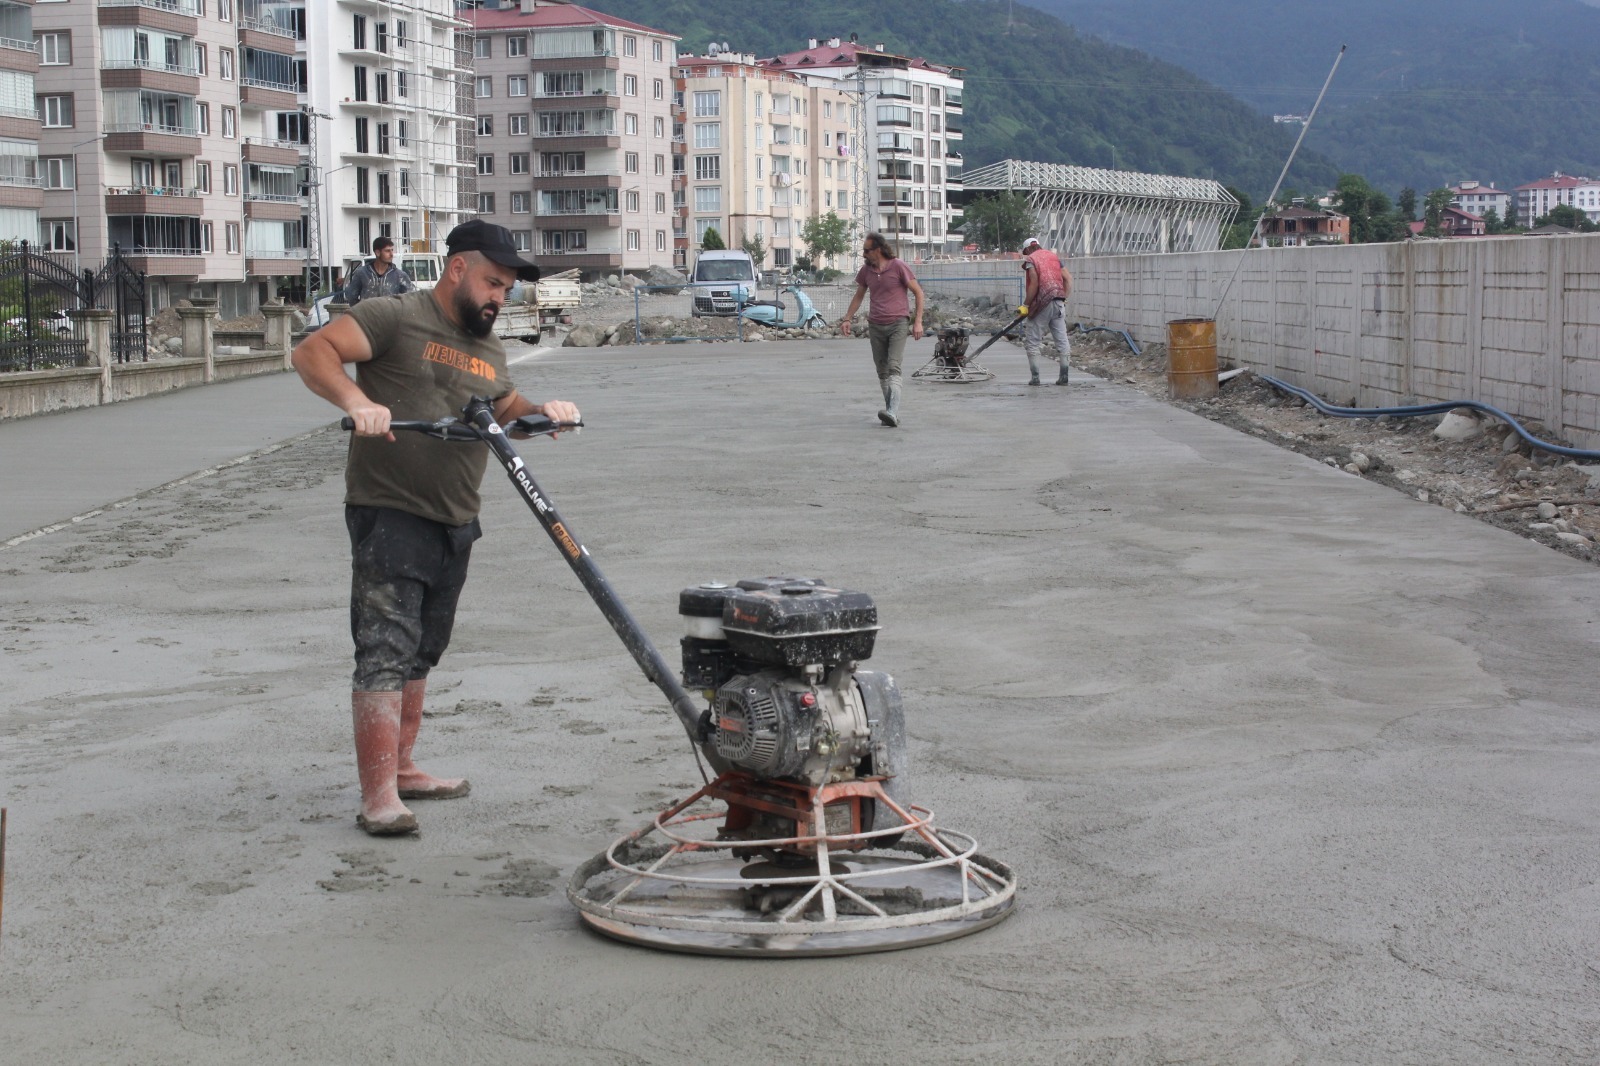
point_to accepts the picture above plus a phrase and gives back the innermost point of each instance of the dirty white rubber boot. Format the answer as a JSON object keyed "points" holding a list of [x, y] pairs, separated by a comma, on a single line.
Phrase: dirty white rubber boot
{"points": [[890, 415], [1033, 369], [377, 728], [412, 782]]}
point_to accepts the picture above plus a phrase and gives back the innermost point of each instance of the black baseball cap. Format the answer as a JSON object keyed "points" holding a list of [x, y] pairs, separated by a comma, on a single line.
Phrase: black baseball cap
{"points": [[476, 235]]}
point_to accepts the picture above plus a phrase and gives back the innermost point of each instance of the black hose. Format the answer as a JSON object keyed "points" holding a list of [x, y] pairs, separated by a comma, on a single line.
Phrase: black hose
{"points": [[1427, 409]]}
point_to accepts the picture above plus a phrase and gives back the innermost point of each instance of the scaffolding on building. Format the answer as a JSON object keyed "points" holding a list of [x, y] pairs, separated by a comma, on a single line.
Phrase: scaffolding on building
{"points": [[1089, 211]]}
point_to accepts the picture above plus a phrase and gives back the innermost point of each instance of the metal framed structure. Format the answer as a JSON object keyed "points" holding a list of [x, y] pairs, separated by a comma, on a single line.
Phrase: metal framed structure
{"points": [[1089, 211]]}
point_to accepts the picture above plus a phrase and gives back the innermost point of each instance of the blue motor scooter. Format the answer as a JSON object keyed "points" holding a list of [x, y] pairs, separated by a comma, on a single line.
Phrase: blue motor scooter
{"points": [[770, 312]]}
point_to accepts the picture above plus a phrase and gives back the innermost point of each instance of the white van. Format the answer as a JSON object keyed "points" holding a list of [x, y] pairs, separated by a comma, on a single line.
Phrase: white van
{"points": [[724, 282]]}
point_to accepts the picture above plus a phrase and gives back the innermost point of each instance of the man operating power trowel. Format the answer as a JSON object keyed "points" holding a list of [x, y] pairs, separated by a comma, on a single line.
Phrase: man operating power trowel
{"points": [[411, 505]]}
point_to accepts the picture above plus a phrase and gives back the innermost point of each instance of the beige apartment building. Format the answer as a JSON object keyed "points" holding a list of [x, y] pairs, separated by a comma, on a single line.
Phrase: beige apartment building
{"points": [[146, 107], [763, 151], [574, 134], [21, 192]]}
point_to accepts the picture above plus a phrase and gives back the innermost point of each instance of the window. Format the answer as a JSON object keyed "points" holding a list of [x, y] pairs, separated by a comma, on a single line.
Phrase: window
{"points": [[630, 162], [363, 189], [630, 46], [660, 126], [655, 51], [230, 122], [661, 164], [203, 112], [486, 164], [360, 83], [708, 168], [630, 85], [708, 135], [401, 133], [520, 203], [200, 59], [658, 88], [661, 203], [519, 125], [661, 240], [633, 240], [400, 32], [485, 125], [480, 48], [633, 203], [225, 63], [59, 235], [383, 138], [59, 173], [380, 86], [362, 139], [517, 85], [710, 103], [524, 239], [405, 230], [385, 194], [231, 232], [486, 203], [405, 183], [708, 199], [382, 34], [171, 175], [485, 88], [402, 84], [55, 49], [202, 177], [519, 162], [759, 98], [516, 46], [205, 237], [358, 32], [630, 125]]}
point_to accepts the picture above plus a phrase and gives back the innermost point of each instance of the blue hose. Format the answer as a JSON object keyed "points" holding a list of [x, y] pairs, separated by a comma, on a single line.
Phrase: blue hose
{"points": [[1079, 327], [1427, 409]]}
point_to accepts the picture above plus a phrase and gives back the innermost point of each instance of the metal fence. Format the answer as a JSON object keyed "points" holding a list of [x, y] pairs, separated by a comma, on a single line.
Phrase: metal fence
{"points": [[40, 301]]}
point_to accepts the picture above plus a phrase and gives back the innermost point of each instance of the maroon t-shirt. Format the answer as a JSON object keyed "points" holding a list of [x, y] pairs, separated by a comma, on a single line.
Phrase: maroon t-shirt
{"points": [[890, 289]]}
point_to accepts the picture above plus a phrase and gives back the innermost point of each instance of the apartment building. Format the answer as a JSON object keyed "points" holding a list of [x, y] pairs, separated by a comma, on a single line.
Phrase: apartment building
{"points": [[909, 129], [764, 151], [1536, 198], [21, 192], [145, 107], [1478, 198], [574, 134], [389, 126]]}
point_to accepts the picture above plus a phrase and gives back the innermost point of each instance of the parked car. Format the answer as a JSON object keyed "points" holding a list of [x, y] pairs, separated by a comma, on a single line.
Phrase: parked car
{"points": [[724, 282], [57, 322]]}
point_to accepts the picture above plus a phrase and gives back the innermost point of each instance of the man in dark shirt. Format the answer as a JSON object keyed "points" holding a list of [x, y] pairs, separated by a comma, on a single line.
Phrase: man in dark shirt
{"points": [[411, 504], [380, 277]]}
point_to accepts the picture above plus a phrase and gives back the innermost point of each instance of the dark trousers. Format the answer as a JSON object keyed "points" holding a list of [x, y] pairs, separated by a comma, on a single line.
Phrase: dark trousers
{"points": [[406, 576]]}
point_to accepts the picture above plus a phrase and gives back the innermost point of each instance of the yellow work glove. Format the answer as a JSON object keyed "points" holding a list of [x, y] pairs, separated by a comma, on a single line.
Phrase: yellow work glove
{"points": [[1023, 310]]}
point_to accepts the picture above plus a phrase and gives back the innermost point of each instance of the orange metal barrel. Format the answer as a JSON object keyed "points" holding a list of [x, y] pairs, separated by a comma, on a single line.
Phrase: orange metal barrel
{"points": [[1192, 358]]}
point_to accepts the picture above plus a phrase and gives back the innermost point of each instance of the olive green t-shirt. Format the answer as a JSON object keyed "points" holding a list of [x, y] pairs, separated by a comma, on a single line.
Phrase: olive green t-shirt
{"points": [[425, 367]]}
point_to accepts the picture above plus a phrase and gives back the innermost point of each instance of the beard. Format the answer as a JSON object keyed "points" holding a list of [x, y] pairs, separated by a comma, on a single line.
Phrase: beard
{"points": [[476, 319]]}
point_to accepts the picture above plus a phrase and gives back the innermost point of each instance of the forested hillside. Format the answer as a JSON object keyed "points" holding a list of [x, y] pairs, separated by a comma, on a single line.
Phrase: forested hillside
{"points": [[1035, 89], [1430, 92]]}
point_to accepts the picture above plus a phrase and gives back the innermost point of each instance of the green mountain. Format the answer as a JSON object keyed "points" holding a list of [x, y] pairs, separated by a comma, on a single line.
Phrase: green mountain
{"points": [[1035, 88], [1429, 93]]}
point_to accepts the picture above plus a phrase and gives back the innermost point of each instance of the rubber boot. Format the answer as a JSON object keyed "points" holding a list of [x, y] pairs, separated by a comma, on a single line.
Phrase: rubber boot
{"points": [[1033, 369], [377, 727], [412, 782], [1062, 378], [893, 409], [886, 416]]}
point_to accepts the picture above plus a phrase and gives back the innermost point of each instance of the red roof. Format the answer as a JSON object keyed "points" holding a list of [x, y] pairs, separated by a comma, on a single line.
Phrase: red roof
{"points": [[1559, 181], [552, 16], [844, 55]]}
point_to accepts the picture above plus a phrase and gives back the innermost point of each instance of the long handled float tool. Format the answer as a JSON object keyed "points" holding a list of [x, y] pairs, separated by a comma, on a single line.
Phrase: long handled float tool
{"points": [[810, 756]]}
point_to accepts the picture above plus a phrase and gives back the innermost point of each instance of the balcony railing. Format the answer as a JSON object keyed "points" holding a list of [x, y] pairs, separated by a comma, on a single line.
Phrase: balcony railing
{"points": [[579, 173], [152, 127], [150, 190], [275, 197], [575, 133], [20, 46], [181, 7], [23, 180], [266, 25], [266, 83], [275, 253], [150, 64], [602, 52], [20, 112], [569, 211], [141, 249], [267, 142]]}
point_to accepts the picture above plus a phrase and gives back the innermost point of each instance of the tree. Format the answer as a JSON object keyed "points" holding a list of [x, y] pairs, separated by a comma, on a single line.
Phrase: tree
{"points": [[1373, 218], [756, 249], [825, 236], [1244, 223], [998, 222], [711, 240], [1492, 223], [1433, 212], [1567, 216], [1408, 204]]}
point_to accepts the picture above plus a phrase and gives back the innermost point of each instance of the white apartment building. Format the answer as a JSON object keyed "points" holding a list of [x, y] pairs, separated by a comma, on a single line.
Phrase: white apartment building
{"points": [[574, 134], [389, 88], [909, 123], [765, 150], [1536, 198], [1479, 198]]}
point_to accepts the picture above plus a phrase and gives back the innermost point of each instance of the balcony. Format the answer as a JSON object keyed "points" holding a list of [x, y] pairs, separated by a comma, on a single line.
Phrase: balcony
{"points": [[610, 217], [567, 141], [286, 262], [549, 181], [279, 153], [608, 100], [165, 262], [581, 259], [154, 77], [259, 92], [152, 200], [152, 138], [189, 8], [20, 56], [265, 25], [270, 208]]}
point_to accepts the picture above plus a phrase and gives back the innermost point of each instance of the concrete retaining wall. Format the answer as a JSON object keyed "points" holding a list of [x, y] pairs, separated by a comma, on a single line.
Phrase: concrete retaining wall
{"points": [[1513, 322]]}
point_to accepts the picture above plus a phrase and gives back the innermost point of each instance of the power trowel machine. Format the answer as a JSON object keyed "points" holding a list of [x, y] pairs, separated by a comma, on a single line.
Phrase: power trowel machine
{"points": [[804, 843]]}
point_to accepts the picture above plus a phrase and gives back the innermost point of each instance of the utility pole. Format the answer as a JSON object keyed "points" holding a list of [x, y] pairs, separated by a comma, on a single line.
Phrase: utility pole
{"points": [[314, 244], [861, 186]]}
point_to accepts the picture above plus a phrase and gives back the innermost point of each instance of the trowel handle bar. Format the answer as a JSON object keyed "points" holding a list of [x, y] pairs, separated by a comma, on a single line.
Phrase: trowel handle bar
{"points": [[450, 429]]}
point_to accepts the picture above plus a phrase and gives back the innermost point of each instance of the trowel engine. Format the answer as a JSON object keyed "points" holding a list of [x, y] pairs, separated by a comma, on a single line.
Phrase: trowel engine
{"points": [[776, 659]]}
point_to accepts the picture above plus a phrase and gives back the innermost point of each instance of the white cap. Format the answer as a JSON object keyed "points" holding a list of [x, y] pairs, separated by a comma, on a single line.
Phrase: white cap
{"points": [[1030, 242]]}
